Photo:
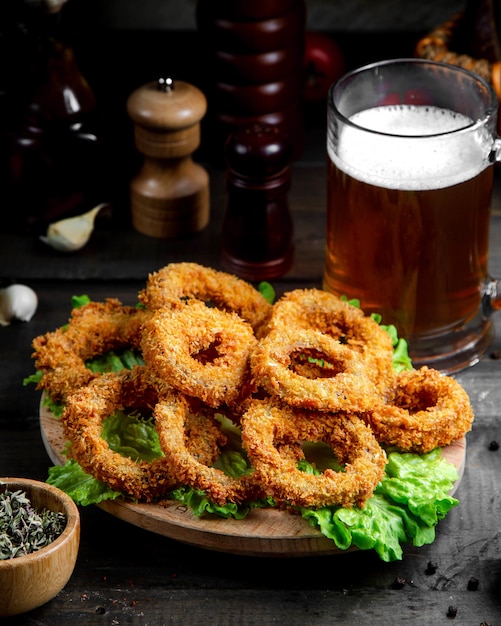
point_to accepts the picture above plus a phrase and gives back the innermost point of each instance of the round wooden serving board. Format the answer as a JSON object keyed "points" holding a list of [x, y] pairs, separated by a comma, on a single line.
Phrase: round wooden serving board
{"points": [[265, 532]]}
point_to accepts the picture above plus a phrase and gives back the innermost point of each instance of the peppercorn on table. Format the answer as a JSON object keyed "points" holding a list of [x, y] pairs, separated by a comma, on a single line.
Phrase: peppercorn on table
{"points": [[127, 574]]}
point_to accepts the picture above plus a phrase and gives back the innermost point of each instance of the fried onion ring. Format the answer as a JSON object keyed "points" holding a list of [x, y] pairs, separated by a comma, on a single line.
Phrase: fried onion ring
{"points": [[171, 417], [345, 384], [203, 352], [82, 420], [93, 329], [428, 410], [322, 311], [267, 424], [176, 282]]}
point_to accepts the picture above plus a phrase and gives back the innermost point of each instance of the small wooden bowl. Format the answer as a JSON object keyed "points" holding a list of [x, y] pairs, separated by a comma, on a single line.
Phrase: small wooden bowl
{"points": [[29, 581]]}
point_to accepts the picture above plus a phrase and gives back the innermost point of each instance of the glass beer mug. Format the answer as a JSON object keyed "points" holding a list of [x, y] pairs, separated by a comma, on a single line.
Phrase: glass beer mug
{"points": [[411, 146]]}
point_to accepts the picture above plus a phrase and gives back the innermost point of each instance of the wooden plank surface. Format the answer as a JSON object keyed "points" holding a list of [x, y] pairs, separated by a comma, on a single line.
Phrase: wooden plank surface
{"points": [[126, 574]]}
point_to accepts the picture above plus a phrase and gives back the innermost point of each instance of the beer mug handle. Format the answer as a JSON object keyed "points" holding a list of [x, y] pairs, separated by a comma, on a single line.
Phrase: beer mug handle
{"points": [[491, 292], [495, 153], [491, 297]]}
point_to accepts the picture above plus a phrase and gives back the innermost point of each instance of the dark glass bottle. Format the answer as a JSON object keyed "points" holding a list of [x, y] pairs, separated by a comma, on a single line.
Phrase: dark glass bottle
{"points": [[54, 154]]}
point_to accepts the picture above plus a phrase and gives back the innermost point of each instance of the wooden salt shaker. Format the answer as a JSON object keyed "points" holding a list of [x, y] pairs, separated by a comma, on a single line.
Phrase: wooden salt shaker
{"points": [[257, 237], [170, 194]]}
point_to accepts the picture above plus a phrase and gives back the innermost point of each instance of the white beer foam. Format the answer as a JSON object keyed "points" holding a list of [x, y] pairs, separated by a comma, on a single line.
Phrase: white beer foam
{"points": [[413, 147]]}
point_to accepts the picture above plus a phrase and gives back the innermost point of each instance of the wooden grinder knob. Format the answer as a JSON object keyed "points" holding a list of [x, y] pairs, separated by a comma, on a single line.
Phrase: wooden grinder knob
{"points": [[170, 194]]}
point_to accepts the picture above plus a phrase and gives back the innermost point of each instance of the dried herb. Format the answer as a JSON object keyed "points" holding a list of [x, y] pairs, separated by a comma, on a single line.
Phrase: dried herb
{"points": [[23, 529], [399, 583]]}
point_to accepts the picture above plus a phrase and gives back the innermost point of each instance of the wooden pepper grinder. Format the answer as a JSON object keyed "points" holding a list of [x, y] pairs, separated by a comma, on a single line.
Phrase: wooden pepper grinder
{"points": [[257, 237], [170, 194], [253, 52]]}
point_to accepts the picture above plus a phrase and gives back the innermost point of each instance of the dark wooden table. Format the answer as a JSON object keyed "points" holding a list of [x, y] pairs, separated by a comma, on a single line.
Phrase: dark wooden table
{"points": [[127, 575]]}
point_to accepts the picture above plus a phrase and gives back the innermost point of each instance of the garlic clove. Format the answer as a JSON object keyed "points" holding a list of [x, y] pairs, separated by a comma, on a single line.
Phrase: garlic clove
{"points": [[17, 302], [72, 233]]}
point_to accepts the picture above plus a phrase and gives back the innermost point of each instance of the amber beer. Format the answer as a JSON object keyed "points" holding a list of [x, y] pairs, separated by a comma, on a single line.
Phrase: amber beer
{"points": [[408, 222]]}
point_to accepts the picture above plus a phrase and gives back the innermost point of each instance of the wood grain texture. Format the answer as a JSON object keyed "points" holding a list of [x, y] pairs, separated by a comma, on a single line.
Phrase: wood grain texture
{"points": [[365, 15]]}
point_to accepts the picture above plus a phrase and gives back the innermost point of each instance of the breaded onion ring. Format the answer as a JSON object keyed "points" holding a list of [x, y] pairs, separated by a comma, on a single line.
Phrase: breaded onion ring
{"points": [[427, 410], [343, 386], [202, 351], [322, 311], [267, 424], [176, 282], [204, 437], [171, 417], [93, 329], [82, 420]]}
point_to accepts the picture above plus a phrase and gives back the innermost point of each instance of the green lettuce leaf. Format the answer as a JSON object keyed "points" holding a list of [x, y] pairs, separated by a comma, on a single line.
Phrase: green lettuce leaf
{"points": [[32, 379], [234, 462], [131, 435], [56, 408], [267, 291], [81, 487], [401, 358], [114, 361], [78, 301], [422, 483], [201, 506], [405, 507]]}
